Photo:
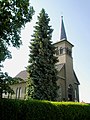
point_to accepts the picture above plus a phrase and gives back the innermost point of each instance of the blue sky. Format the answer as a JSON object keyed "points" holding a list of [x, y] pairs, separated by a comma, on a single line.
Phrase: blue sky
{"points": [[77, 24]]}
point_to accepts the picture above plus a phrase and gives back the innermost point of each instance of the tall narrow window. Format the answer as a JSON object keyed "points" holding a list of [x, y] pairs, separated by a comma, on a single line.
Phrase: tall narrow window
{"points": [[70, 93], [17, 93], [25, 90], [20, 92], [70, 53], [75, 95], [67, 50], [60, 93]]}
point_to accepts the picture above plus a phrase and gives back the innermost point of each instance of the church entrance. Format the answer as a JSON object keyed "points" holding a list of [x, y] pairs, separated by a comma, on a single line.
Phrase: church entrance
{"points": [[70, 93]]}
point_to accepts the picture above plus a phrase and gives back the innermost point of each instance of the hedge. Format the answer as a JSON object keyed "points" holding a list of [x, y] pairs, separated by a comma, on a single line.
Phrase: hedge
{"points": [[11, 109]]}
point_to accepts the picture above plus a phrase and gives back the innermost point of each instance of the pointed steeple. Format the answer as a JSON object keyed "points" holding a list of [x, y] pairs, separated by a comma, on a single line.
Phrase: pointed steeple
{"points": [[63, 33]]}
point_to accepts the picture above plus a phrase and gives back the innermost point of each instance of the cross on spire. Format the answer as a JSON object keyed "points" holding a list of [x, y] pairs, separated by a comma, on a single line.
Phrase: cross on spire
{"points": [[63, 33]]}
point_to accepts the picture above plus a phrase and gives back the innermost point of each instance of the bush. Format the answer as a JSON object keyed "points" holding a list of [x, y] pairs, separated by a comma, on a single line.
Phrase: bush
{"points": [[43, 110]]}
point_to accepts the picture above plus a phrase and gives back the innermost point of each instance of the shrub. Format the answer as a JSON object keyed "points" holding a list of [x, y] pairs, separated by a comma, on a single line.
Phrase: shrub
{"points": [[43, 110]]}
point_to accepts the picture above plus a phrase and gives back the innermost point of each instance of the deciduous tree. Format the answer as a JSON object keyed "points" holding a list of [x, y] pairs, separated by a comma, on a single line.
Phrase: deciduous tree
{"points": [[5, 81], [14, 14]]}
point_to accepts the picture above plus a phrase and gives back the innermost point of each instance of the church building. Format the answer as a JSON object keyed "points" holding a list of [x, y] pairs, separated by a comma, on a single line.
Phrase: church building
{"points": [[67, 80]]}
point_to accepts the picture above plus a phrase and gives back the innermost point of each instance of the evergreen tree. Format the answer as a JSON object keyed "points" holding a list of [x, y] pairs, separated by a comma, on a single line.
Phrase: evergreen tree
{"points": [[41, 69]]}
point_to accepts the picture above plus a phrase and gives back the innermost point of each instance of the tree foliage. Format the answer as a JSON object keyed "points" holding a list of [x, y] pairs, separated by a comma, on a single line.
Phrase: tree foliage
{"points": [[30, 89], [42, 72], [14, 14], [5, 81]]}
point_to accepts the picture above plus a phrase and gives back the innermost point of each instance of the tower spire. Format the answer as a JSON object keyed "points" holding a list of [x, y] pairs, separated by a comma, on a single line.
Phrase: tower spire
{"points": [[63, 33]]}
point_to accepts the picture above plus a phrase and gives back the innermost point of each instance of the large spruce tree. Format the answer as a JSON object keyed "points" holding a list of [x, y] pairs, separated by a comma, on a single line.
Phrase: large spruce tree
{"points": [[42, 73]]}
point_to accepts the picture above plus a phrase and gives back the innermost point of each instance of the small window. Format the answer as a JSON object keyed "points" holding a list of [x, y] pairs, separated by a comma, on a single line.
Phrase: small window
{"points": [[61, 50], [57, 51], [67, 50], [70, 53], [64, 50]]}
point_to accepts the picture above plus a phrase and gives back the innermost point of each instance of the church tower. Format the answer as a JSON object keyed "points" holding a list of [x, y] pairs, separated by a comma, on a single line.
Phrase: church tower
{"points": [[67, 80]]}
